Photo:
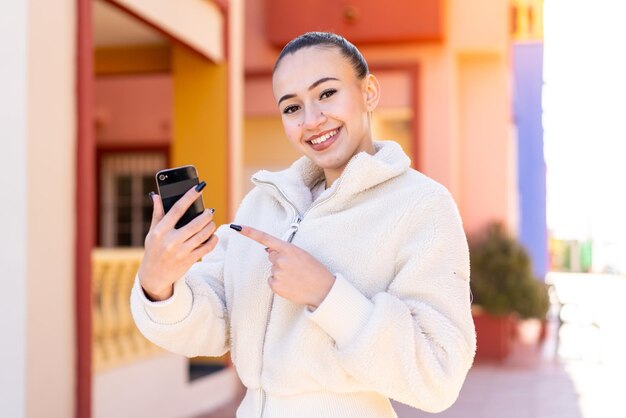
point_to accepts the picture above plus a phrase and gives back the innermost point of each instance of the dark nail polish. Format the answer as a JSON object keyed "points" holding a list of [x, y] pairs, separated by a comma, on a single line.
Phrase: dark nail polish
{"points": [[267, 249], [200, 186], [237, 228]]}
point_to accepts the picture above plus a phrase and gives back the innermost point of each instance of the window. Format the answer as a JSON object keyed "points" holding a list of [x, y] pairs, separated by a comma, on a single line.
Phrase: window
{"points": [[125, 208]]}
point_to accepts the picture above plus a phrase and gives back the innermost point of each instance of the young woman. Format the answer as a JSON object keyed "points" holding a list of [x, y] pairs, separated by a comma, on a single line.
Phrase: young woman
{"points": [[344, 281]]}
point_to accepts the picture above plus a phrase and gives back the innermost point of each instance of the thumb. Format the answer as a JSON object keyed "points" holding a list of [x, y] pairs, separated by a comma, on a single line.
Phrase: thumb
{"points": [[157, 209]]}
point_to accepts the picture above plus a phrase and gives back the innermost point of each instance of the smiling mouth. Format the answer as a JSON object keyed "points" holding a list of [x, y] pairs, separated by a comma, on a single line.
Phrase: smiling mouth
{"points": [[325, 137]]}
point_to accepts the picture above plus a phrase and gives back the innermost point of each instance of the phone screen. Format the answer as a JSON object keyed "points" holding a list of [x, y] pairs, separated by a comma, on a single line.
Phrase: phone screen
{"points": [[173, 183]]}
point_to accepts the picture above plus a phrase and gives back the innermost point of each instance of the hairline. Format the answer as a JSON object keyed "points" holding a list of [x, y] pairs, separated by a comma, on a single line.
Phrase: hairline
{"points": [[324, 45]]}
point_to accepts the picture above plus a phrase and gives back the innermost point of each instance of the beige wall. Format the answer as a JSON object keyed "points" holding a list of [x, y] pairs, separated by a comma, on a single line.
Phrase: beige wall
{"points": [[37, 211], [198, 23], [50, 165]]}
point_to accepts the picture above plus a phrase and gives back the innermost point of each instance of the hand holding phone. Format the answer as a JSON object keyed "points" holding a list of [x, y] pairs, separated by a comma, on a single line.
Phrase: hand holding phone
{"points": [[178, 238]]}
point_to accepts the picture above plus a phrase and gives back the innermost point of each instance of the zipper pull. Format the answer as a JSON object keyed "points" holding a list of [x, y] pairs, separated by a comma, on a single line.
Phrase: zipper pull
{"points": [[293, 228]]}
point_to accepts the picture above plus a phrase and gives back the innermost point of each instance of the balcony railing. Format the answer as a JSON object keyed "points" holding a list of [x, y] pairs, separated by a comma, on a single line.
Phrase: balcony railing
{"points": [[116, 339]]}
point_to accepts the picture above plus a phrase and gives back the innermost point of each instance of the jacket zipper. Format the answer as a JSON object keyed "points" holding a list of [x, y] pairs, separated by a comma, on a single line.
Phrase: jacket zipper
{"points": [[288, 236], [291, 232]]}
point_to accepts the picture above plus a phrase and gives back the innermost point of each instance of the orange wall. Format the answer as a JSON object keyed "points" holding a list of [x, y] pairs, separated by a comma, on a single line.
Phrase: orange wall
{"points": [[200, 128]]}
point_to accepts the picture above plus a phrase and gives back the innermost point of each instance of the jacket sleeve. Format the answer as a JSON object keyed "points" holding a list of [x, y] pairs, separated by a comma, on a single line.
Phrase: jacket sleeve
{"points": [[194, 320], [415, 342]]}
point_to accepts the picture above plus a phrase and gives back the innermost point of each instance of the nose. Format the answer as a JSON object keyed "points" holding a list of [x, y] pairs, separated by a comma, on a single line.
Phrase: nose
{"points": [[313, 117]]}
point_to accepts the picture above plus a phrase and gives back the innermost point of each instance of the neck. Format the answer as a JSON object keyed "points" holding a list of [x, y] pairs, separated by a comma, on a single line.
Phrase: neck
{"points": [[333, 174]]}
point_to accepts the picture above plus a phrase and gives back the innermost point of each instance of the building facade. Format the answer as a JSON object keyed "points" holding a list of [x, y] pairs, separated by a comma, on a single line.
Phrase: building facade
{"points": [[102, 93]]}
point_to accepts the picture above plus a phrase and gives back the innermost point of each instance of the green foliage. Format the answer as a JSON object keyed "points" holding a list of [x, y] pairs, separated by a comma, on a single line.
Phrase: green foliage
{"points": [[502, 281]]}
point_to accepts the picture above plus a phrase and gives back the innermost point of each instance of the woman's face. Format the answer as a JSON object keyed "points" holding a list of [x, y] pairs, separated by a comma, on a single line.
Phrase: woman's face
{"points": [[324, 106]]}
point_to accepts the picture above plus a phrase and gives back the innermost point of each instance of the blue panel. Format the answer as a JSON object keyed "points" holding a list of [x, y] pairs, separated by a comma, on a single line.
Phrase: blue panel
{"points": [[528, 84]]}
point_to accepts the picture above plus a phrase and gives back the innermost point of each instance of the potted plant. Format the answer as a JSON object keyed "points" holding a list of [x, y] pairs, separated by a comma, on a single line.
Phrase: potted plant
{"points": [[532, 307], [504, 289]]}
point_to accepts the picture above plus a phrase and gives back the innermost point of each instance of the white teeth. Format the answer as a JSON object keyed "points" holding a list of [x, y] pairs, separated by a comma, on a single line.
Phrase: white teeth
{"points": [[324, 137]]}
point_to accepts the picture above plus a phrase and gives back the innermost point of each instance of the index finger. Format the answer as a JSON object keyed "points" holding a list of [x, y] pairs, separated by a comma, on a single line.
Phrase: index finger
{"points": [[261, 237]]}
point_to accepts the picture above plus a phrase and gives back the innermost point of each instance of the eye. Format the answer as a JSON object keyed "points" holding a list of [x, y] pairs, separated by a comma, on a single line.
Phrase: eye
{"points": [[327, 93], [290, 109]]}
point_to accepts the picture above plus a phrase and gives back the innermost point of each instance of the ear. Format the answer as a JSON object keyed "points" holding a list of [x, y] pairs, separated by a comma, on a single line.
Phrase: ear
{"points": [[371, 92]]}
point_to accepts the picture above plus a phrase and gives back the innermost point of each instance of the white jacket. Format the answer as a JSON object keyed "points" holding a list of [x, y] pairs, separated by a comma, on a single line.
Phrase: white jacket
{"points": [[396, 323]]}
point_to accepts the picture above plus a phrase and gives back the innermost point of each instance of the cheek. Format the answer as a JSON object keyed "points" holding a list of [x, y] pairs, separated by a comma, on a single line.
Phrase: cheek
{"points": [[293, 129], [348, 107]]}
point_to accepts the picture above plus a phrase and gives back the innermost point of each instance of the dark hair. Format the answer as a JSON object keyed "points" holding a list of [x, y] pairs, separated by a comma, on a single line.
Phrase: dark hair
{"points": [[327, 40]]}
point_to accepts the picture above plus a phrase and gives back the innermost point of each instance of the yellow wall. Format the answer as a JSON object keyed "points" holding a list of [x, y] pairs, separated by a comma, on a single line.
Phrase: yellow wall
{"points": [[200, 132], [395, 126], [265, 147]]}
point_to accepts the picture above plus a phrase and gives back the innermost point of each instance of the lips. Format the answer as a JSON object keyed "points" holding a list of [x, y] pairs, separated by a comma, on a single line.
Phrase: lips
{"points": [[323, 140]]}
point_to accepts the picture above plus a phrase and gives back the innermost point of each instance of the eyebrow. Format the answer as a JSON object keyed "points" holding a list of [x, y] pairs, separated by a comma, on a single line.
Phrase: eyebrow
{"points": [[311, 87]]}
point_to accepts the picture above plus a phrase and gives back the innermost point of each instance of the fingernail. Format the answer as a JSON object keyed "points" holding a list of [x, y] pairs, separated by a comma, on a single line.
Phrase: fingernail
{"points": [[151, 195], [200, 186], [237, 228], [267, 249], [212, 210]]}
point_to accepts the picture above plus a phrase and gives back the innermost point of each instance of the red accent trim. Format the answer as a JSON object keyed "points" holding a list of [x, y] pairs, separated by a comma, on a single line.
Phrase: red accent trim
{"points": [[133, 147], [222, 4], [85, 220], [413, 71], [362, 21], [229, 97], [166, 34], [258, 73], [225, 29]]}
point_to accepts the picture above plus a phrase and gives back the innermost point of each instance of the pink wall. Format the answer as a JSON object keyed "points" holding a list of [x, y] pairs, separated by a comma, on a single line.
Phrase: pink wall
{"points": [[464, 102], [133, 110], [486, 158]]}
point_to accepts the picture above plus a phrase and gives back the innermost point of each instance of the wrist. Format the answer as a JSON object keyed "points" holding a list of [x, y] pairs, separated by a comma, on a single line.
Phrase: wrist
{"points": [[325, 290], [157, 295]]}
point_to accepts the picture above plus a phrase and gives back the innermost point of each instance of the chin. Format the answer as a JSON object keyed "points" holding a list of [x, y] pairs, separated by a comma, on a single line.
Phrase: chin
{"points": [[330, 164]]}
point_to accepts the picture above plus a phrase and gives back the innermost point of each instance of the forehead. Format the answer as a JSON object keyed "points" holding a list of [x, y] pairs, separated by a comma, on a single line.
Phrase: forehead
{"points": [[297, 71]]}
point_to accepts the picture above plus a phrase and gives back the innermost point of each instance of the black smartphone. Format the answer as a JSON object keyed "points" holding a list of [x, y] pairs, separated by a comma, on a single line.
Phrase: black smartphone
{"points": [[172, 184]]}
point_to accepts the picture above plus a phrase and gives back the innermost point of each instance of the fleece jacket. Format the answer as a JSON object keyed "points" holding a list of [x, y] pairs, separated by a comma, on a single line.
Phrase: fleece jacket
{"points": [[395, 325]]}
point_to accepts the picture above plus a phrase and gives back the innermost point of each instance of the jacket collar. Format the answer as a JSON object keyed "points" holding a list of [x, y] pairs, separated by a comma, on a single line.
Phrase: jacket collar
{"points": [[362, 172]]}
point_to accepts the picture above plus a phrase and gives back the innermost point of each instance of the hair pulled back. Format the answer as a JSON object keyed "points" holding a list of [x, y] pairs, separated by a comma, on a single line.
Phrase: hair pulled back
{"points": [[327, 40]]}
